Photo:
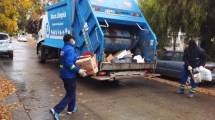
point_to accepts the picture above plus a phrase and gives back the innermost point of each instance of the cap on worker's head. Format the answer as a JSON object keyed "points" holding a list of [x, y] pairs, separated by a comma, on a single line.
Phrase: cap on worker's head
{"points": [[67, 37]]}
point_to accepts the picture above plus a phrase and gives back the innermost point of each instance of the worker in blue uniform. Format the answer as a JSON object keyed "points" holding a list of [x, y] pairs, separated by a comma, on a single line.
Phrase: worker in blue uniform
{"points": [[68, 73], [193, 57]]}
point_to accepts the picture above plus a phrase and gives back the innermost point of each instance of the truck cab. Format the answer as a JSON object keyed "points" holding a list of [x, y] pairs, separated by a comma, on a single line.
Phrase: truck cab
{"points": [[42, 28]]}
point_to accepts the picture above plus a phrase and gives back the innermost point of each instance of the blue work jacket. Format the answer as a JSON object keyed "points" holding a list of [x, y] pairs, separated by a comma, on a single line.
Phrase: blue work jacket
{"points": [[68, 57], [194, 57]]}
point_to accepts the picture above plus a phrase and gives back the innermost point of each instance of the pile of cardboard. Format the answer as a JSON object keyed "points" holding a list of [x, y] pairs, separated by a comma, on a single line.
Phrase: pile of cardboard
{"points": [[88, 63], [124, 56]]}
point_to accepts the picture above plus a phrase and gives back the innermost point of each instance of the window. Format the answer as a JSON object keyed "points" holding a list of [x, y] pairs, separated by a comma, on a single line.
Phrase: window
{"points": [[40, 24], [3, 37], [167, 55], [176, 57]]}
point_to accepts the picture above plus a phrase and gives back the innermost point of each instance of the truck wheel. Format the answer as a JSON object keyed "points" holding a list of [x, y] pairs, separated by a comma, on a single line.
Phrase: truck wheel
{"points": [[41, 54], [11, 55]]}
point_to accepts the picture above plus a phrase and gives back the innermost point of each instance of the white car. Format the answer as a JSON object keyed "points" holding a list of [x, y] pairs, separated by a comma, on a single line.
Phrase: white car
{"points": [[6, 47], [22, 38]]}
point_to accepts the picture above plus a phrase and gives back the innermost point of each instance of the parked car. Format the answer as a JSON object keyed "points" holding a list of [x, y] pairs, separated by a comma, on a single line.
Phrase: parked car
{"points": [[171, 63], [6, 47], [22, 38]]}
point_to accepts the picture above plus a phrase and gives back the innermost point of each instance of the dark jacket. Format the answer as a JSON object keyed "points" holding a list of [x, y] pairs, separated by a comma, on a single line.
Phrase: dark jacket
{"points": [[68, 57], [194, 57]]}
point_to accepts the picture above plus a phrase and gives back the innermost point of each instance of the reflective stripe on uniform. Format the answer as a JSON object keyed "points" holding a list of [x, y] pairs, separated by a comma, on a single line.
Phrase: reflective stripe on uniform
{"points": [[73, 66], [61, 66], [182, 86], [192, 90]]}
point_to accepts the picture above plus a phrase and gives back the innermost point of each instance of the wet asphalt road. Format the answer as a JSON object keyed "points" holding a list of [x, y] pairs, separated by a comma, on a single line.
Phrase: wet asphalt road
{"points": [[39, 88]]}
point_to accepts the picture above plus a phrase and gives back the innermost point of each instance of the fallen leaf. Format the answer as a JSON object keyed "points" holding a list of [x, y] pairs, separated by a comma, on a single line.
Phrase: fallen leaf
{"points": [[51, 95], [176, 84], [5, 113], [6, 88]]}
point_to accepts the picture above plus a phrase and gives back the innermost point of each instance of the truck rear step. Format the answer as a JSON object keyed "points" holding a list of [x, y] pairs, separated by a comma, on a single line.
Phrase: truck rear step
{"points": [[127, 66], [121, 75]]}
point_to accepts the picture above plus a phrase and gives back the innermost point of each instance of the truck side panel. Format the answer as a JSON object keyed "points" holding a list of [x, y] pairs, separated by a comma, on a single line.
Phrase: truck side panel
{"points": [[59, 24], [89, 36], [148, 44]]}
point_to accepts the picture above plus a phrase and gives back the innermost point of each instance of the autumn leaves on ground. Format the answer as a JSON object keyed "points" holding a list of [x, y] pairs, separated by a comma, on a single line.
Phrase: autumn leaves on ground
{"points": [[210, 92], [6, 88]]}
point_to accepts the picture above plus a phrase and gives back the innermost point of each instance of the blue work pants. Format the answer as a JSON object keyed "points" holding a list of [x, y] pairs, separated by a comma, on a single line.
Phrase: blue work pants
{"points": [[70, 97], [184, 76]]}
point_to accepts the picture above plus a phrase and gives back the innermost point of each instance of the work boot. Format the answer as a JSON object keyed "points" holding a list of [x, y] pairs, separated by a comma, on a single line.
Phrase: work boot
{"points": [[192, 92], [180, 91], [73, 111], [191, 95], [55, 114]]}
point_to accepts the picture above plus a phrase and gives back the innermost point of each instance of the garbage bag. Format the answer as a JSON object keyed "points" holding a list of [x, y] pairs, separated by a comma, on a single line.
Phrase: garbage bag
{"points": [[197, 77], [195, 74], [205, 74]]}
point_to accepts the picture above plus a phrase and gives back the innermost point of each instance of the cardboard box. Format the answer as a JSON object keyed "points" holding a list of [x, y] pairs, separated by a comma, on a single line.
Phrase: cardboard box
{"points": [[120, 54], [110, 58], [89, 64], [105, 56], [130, 55], [123, 54]]}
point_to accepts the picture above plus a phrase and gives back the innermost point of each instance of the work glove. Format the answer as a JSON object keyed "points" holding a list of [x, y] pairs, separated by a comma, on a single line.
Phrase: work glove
{"points": [[82, 73], [190, 68]]}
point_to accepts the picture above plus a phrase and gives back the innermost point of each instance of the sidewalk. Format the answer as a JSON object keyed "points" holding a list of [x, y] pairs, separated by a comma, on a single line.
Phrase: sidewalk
{"points": [[12, 101], [2, 74]]}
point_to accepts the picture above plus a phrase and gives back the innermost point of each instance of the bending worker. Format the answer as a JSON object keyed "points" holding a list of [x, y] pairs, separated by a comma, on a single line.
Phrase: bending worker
{"points": [[193, 57]]}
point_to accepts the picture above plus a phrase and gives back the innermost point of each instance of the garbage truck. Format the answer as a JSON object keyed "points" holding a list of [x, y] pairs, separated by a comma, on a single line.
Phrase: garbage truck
{"points": [[103, 28]]}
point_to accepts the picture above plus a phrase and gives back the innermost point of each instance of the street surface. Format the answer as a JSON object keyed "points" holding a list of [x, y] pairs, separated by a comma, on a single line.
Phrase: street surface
{"points": [[39, 88]]}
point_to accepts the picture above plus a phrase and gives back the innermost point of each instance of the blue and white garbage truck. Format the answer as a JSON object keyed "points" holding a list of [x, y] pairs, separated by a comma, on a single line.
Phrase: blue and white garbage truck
{"points": [[101, 27]]}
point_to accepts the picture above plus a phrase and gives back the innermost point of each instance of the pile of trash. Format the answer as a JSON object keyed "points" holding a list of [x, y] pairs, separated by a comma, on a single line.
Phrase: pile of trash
{"points": [[6, 88], [124, 56]]}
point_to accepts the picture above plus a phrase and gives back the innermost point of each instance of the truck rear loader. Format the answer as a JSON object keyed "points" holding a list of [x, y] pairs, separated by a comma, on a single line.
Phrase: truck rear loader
{"points": [[101, 27]]}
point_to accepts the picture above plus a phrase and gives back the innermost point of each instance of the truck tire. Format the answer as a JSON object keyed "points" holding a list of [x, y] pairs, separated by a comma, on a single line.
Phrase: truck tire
{"points": [[41, 54], [11, 55]]}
